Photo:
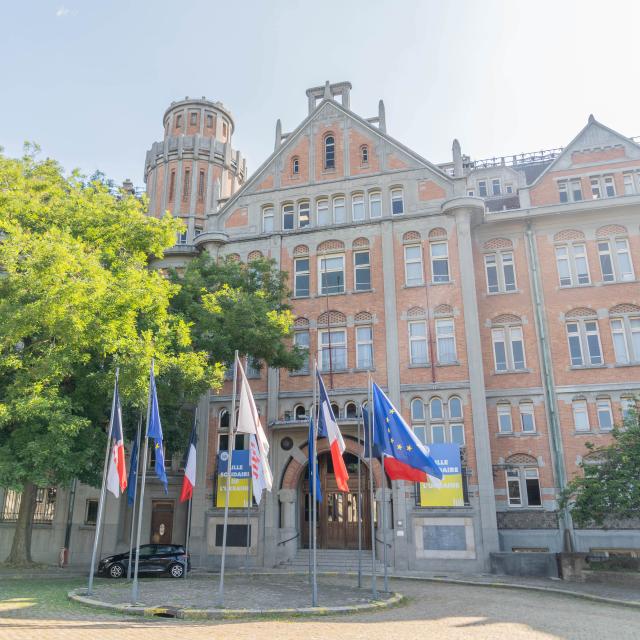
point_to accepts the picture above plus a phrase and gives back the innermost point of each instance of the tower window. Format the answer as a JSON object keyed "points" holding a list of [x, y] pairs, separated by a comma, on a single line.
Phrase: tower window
{"points": [[329, 152], [364, 155], [201, 186], [172, 185], [193, 119], [224, 129], [209, 120], [295, 166], [187, 184], [178, 121]]}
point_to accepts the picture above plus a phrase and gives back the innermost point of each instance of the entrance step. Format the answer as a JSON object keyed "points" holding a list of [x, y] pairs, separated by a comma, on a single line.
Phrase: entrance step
{"points": [[343, 560]]}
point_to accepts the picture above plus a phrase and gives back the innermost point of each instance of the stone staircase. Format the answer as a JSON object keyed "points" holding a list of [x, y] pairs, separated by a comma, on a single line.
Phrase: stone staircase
{"points": [[341, 560]]}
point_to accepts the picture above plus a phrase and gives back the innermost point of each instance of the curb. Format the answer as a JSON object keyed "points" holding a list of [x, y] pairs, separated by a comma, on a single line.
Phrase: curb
{"points": [[187, 613]]}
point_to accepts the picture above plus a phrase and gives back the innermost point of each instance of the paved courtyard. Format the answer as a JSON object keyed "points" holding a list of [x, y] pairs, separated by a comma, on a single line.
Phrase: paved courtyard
{"points": [[32, 609]]}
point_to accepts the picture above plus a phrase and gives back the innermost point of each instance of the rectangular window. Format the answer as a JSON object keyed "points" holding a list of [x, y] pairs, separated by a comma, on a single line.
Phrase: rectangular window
{"points": [[500, 272], [517, 348], [596, 193], [209, 121], [322, 212], [364, 347], [301, 339], [421, 432], [576, 190], [362, 271], [332, 275], [287, 217], [580, 415], [172, 185], [182, 237], [239, 443], [186, 187], [627, 179], [446, 341], [495, 187], [508, 271], [605, 416], [357, 206], [482, 188], [413, 265], [333, 350], [532, 482], [193, 119], [91, 512], [267, 220], [439, 261], [178, 121], [397, 202], [201, 185], [457, 434], [619, 341], [563, 191], [301, 280], [339, 211], [375, 204], [508, 349], [505, 424], [513, 488], [303, 215], [606, 262], [508, 188], [625, 268], [627, 405], [580, 260], [527, 420], [575, 344], [593, 342], [491, 269], [634, 327], [499, 349], [252, 368], [609, 187], [418, 352], [572, 264], [437, 434], [197, 231]]}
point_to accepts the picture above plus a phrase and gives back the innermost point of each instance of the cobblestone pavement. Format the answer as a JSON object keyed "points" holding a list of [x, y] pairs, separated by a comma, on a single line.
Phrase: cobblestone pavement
{"points": [[443, 611]]}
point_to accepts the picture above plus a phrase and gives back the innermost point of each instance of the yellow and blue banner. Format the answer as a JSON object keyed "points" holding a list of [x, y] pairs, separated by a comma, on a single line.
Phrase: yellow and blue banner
{"points": [[448, 491]]}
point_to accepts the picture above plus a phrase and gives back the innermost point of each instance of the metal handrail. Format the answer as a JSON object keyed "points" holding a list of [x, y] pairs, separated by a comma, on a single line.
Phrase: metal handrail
{"points": [[289, 540]]}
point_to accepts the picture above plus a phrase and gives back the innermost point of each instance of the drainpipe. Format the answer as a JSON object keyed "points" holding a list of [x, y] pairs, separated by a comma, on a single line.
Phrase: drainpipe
{"points": [[557, 452]]}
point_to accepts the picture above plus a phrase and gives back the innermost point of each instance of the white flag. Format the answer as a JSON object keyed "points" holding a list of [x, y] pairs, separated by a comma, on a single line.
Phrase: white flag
{"points": [[249, 422]]}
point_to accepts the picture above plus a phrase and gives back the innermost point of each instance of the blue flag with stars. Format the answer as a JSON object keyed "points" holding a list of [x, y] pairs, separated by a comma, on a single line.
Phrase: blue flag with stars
{"points": [[396, 439], [155, 432]]}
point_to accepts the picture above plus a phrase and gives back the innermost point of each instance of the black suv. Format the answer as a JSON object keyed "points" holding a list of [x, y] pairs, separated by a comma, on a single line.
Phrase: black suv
{"points": [[154, 558]]}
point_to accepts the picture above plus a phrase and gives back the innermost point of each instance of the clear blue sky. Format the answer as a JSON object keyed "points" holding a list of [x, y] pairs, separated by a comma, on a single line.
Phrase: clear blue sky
{"points": [[89, 80]]}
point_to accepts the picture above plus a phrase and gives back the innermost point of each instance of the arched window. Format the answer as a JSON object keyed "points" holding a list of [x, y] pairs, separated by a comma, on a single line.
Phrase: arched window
{"points": [[224, 419], [300, 412], [364, 155], [435, 409], [455, 408], [417, 409], [267, 219], [287, 216], [303, 214], [350, 410], [295, 166], [336, 410], [329, 152]]}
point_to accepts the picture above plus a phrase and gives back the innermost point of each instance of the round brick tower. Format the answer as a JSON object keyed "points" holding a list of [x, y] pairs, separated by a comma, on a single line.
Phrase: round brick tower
{"points": [[194, 169]]}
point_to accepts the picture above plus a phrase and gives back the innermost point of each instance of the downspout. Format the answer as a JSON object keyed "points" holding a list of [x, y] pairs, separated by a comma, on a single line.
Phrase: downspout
{"points": [[557, 450]]}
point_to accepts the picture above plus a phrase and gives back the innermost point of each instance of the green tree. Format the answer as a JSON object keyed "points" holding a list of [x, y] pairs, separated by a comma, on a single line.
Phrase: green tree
{"points": [[608, 487], [77, 299]]}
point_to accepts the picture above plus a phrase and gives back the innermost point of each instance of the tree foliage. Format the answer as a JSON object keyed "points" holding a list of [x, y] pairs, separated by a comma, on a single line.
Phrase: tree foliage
{"points": [[608, 487]]}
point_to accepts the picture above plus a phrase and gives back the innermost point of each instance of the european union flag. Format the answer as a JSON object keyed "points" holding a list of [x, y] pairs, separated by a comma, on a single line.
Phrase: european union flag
{"points": [[133, 474], [155, 432], [396, 439], [312, 454]]}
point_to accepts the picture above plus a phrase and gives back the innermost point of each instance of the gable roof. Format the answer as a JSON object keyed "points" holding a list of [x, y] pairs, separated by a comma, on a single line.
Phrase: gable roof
{"points": [[591, 132], [288, 143]]}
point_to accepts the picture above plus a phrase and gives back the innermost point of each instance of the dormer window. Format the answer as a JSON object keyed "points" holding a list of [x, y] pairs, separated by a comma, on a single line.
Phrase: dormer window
{"points": [[295, 166], [329, 152], [364, 155]]}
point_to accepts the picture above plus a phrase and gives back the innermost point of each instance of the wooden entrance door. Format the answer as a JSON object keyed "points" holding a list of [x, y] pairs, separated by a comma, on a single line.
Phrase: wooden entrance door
{"points": [[337, 525], [161, 522]]}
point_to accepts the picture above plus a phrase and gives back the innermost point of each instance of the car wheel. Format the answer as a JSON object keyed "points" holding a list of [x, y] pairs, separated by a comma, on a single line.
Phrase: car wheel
{"points": [[176, 571], [116, 570]]}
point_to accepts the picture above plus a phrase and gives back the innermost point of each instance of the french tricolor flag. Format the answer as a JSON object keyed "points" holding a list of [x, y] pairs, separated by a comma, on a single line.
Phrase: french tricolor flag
{"points": [[328, 428], [117, 472], [189, 480]]}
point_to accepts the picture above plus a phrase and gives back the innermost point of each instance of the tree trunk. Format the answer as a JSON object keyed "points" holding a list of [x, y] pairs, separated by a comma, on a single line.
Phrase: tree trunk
{"points": [[20, 554]]}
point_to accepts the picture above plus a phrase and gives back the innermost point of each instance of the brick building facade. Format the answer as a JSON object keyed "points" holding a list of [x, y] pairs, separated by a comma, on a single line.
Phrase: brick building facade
{"points": [[495, 301]]}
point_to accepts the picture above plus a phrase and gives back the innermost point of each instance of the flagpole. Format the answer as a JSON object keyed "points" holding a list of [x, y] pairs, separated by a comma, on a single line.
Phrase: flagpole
{"points": [[359, 503], [135, 496], [314, 583], [188, 534], [103, 489], [384, 520], [231, 443], [374, 590], [246, 550], [134, 586]]}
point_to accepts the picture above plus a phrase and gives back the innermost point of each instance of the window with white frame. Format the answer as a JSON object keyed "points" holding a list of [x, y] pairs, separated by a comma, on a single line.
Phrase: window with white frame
{"points": [[584, 343], [331, 274], [615, 260], [445, 420], [527, 417], [361, 271], [375, 204], [417, 410], [605, 415], [364, 347], [397, 201], [439, 261], [301, 340], [455, 408], [357, 206], [482, 188], [627, 406], [364, 155], [436, 409], [495, 187], [508, 348], [523, 487], [413, 270], [267, 219], [573, 268], [508, 188], [500, 272], [333, 349], [596, 191], [505, 423], [295, 166], [563, 190], [322, 212], [303, 214], [609, 187], [456, 434], [418, 351], [301, 277], [182, 237], [570, 190], [446, 341], [339, 210], [626, 339], [629, 186], [288, 215], [580, 415], [329, 152]]}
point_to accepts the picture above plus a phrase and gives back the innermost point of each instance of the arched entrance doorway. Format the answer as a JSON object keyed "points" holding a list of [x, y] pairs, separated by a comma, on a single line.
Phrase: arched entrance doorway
{"points": [[337, 524]]}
